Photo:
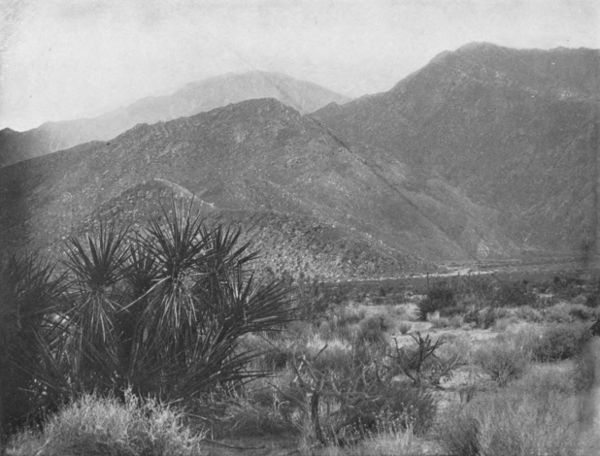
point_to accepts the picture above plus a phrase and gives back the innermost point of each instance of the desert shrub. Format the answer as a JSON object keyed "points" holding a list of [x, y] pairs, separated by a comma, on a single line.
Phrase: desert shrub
{"points": [[558, 313], [94, 425], [312, 298], [262, 412], [542, 381], [440, 296], [373, 329], [440, 322], [356, 398], [581, 312], [584, 374], [393, 407], [514, 294], [559, 342], [336, 358], [486, 317], [528, 313], [593, 300], [348, 315], [502, 324], [566, 286], [513, 423], [592, 293], [456, 321], [503, 362], [422, 362], [404, 327], [459, 433]]}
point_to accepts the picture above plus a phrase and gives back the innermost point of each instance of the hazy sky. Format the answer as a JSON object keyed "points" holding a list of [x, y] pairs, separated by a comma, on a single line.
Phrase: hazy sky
{"points": [[63, 59]]}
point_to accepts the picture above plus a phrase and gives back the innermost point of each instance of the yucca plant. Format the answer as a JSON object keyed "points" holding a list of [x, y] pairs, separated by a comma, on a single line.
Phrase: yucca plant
{"points": [[30, 296], [198, 298], [96, 268], [161, 309]]}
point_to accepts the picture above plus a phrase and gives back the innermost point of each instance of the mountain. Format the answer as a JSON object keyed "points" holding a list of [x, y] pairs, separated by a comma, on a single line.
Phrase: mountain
{"points": [[192, 99], [300, 246], [514, 131], [484, 153], [258, 160]]}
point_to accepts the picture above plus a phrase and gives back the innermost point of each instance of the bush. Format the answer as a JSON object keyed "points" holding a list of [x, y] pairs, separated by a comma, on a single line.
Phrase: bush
{"points": [[373, 329], [459, 433], [558, 313], [516, 424], [393, 407], [584, 376], [422, 363], [559, 342], [528, 313], [439, 297], [93, 425], [514, 294], [355, 397], [486, 317], [566, 286], [582, 312], [162, 310], [503, 362], [404, 327]]}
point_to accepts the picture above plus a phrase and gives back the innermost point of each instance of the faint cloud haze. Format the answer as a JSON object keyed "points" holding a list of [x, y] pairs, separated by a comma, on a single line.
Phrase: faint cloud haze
{"points": [[68, 59]]}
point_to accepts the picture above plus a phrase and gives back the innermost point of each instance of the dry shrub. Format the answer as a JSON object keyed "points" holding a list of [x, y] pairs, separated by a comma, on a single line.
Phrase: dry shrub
{"points": [[96, 426], [513, 423], [502, 361], [373, 329], [559, 342], [528, 313], [404, 327]]}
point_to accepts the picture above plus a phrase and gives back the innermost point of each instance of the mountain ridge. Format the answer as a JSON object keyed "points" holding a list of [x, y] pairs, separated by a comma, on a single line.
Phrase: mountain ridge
{"points": [[258, 156], [516, 141], [193, 98]]}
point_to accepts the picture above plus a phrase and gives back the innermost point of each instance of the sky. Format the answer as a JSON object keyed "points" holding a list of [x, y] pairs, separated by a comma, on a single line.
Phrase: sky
{"points": [[67, 59]]}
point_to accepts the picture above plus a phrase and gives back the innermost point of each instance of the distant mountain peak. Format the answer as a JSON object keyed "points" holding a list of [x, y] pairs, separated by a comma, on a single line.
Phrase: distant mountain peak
{"points": [[478, 45], [194, 98]]}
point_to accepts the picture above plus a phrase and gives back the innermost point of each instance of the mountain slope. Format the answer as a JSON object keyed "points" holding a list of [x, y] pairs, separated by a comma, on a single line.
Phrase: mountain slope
{"points": [[192, 99], [258, 156], [514, 131], [300, 246]]}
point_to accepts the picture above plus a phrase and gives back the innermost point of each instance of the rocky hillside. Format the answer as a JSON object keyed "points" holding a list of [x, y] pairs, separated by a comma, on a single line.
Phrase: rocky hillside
{"points": [[192, 99], [514, 131], [255, 157], [300, 246]]}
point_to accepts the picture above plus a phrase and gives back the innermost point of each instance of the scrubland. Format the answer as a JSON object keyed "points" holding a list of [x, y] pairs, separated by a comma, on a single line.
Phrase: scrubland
{"points": [[473, 366]]}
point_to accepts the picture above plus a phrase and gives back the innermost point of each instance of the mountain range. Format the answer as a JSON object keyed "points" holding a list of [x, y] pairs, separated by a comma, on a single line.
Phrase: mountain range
{"points": [[192, 99], [515, 130], [486, 152]]}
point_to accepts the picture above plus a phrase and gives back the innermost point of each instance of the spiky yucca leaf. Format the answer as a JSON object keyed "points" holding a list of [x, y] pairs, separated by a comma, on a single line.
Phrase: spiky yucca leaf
{"points": [[96, 268], [197, 304], [30, 298]]}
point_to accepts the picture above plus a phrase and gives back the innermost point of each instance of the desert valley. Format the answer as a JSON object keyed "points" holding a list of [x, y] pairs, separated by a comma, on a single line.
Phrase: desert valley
{"points": [[256, 264]]}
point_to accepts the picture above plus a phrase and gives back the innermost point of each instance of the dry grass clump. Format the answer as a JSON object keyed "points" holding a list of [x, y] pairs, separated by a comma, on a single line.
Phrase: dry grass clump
{"points": [[565, 312], [393, 441], [404, 327], [93, 425], [502, 361], [561, 341], [513, 423]]}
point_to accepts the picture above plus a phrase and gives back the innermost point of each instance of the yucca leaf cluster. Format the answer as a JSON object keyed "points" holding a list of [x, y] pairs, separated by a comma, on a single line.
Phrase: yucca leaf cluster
{"points": [[158, 309]]}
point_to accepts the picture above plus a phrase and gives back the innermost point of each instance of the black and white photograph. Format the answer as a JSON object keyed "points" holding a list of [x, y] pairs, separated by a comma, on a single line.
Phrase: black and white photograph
{"points": [[299, 227]]}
